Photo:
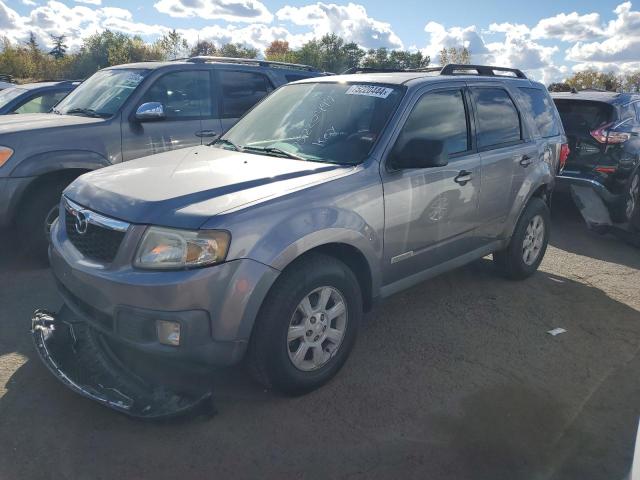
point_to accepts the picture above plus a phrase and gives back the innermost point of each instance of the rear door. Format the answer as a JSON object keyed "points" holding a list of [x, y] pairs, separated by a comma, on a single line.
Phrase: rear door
{"points": [[431, 213], [238, 91], [504, 153], [580, 118], [187, 100]]}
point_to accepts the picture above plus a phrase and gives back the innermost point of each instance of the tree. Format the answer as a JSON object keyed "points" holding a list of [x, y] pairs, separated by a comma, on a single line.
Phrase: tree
{"points": [[204, 48], [279, 51], [59, 47], [559, 87], [173, 45], [237, 50], [459, 55], [632, 82], [593, 79], [395, 59]]}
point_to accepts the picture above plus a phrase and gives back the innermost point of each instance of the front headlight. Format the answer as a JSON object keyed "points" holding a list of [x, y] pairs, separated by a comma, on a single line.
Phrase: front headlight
{"points": [[5, 154], [170, 248]]}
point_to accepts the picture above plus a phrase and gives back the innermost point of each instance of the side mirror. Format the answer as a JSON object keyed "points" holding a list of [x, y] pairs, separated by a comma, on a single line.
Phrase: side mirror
{"points": [[420, 153], [150, 111]]}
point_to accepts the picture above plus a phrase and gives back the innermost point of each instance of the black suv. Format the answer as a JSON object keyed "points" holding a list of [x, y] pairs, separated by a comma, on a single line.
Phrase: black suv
{"points": [[603, 131], [118, 114]]}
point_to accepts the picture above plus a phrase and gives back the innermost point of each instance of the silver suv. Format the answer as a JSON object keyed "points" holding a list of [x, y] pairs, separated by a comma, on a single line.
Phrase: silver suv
{"points": [[330, 194]]}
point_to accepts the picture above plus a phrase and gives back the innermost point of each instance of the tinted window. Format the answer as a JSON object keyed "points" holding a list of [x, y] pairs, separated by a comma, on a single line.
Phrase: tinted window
{"points": [[541, 108], [438, 116], [579, 116], [183, 94], [41, 103], [498, 120], [241, 91]]}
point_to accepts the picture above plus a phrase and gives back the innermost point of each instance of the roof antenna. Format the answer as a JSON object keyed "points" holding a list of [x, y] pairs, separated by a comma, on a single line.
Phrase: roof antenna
{"points": [[573, 90]]}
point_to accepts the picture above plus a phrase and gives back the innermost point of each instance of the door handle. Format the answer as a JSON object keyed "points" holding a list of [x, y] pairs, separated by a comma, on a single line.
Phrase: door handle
{"points": [[526, 160], [207, 133], [463, 177]]}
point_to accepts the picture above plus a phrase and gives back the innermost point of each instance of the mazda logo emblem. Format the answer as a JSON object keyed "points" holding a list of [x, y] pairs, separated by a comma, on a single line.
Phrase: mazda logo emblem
{"points": [[82, 223]]}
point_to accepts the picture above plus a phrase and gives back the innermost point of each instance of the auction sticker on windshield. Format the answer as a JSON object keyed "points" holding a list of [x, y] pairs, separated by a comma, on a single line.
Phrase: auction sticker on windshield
{"points": [[369, 91]]}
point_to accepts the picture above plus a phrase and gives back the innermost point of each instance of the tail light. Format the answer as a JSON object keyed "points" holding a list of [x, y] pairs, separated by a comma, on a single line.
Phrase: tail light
{"points": [[564, 154], [604, 135], [606, 169]]}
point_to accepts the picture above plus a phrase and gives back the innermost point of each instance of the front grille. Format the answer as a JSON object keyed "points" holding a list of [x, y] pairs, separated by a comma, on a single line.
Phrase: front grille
{"points": [[97, 242]]}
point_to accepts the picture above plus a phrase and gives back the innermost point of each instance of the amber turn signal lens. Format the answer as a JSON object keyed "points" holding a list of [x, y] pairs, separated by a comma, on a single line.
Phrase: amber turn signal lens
{"points": [[5, 154]]}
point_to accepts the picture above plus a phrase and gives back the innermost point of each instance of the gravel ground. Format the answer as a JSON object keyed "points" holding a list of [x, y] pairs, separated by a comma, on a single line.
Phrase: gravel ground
{"points": [[455, 378]]}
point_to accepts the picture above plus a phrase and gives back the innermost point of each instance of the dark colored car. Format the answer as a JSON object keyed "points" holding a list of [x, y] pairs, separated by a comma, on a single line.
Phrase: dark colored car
{"points": [[38, 97], [603, 132]]}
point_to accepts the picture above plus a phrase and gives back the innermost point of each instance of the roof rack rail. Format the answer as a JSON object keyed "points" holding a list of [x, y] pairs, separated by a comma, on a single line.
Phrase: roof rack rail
{"points": [[6, 78], [481, 70], [354, 70], [252, 61]]}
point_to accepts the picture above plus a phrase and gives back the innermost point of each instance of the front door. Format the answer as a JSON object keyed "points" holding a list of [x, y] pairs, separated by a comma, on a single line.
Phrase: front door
{"points": [[187, 100], [431, 213]]}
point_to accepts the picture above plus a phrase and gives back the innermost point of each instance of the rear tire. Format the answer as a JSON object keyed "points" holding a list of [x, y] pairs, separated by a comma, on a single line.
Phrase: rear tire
{"points": [[283, 354], [528, 243], [35, 217]]}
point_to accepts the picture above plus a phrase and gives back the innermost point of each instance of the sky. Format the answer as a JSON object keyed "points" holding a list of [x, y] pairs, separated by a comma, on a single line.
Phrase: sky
{"points": [[548, 39]]}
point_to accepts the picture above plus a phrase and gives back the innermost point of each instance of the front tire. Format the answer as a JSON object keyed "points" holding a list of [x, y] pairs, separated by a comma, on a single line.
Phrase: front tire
{"points": [[307, 325], [528, 244], [36, 216]]}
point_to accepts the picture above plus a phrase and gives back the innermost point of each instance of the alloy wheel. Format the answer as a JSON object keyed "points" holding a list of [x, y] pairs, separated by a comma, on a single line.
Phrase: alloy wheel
{"points": [[317, 328], [533, 240]]}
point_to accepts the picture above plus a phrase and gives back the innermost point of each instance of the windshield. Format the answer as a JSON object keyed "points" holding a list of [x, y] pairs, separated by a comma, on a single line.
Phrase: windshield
{"points": [[102, 94], [9, 94], [323, 122]]}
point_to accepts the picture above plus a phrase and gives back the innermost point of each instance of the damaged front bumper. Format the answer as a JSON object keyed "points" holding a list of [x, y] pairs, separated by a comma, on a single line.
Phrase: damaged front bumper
{"points": [[82, 360]]}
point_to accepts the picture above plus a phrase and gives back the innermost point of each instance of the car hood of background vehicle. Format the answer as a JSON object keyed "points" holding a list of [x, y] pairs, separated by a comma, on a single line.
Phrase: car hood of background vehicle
{"points": [[185, 188], [36, 121]]}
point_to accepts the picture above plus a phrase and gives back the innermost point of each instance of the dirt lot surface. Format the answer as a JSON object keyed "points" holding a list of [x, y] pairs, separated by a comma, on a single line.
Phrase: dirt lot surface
{"points": [[455, 378]]}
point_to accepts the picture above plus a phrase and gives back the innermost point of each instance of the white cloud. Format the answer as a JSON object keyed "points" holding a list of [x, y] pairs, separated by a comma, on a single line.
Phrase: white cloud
{"points": [[569, 27], [350, 21], [229, 10], [29, 3], [90, 2]]}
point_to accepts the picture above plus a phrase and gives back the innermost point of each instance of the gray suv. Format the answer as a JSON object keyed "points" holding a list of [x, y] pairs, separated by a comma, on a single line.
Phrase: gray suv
{"points": [[270, 244], [118, 114]]}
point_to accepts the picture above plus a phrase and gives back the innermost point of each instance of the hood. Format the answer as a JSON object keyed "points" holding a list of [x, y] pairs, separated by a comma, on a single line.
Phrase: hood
{"points": [[185, 188], [37, 121]]}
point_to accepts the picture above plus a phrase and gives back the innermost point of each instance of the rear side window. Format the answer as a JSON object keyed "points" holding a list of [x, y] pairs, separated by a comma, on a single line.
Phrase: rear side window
{"points": [[241, 91], [583, 115], [498, 120], [438, 116], [542, 110]]}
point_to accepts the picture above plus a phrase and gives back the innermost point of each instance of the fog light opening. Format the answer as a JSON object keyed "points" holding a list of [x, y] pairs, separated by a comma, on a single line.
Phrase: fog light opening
{"points": [[168, 332]]}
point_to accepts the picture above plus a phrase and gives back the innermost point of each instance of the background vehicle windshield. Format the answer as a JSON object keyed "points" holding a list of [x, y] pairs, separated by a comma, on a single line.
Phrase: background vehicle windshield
{"points": [[102, 94], [324, 122], [9, 94]]}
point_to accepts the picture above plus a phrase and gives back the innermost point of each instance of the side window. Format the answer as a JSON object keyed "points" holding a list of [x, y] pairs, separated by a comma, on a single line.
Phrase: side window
{"points": [[498, 122], [183, 94], [542, 110], [241, 91], [42, 103], [438, 116], [637, 105]]}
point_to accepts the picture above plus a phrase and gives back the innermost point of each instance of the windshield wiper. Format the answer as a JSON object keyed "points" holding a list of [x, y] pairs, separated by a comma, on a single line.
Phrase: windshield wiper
{"points": [[276, 151], [89, 112], [226, 142], [56, 111]]}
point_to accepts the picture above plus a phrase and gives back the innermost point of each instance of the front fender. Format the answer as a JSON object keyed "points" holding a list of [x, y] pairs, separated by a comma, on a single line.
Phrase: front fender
{"points": [[48, 162]]}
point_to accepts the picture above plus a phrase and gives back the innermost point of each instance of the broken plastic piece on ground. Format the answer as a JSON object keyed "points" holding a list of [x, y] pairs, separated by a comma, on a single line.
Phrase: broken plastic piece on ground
{"points": [[556, 331], [81, 359]]}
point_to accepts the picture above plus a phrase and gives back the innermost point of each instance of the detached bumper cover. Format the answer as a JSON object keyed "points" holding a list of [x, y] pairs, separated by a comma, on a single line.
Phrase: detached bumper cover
{"points": [[79, 357]]}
